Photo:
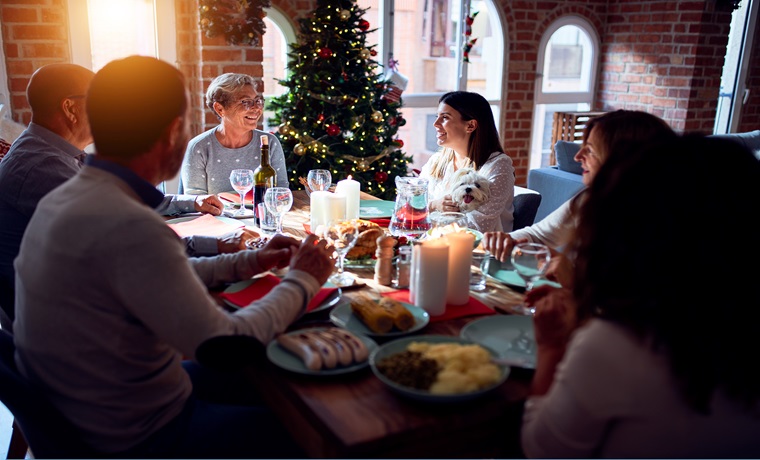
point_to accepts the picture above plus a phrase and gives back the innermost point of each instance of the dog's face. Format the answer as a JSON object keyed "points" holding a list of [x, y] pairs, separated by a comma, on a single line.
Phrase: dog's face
{"points": [[469, 189]]}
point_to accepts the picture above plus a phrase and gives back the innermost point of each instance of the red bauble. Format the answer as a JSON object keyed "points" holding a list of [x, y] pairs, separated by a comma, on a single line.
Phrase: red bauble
{"points": [[325, 53], [381, 177], [399, 142], [364, 24], [373, 52], [321, 117], [333, 130]]}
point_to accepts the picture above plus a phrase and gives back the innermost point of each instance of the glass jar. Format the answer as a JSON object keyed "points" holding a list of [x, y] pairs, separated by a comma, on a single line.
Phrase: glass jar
{"points": [[403, 267], [410, 215]]}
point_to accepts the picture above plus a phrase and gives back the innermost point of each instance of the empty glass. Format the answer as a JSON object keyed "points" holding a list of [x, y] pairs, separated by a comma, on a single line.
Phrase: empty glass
{"points": [[278, 201], [319, 179], [531, 261], [342, 236], [478, 270], [242, 182]]}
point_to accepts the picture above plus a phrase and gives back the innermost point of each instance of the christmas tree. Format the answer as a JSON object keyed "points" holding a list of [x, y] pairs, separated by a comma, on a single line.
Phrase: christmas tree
{"points": [[339, 113]]}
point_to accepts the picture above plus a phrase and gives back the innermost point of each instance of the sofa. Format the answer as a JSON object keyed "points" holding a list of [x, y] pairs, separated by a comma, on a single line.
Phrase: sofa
{"points": [[560, 182]]}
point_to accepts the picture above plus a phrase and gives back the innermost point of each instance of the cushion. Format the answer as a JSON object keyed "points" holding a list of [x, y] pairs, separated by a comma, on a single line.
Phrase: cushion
{"points": [[565, 152], [4, 147], [750, 139]]}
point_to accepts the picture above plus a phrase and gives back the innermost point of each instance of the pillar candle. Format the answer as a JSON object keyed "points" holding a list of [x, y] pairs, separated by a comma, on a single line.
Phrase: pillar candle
{"points": [[350, 188], [413, 273], [460, 259], [325, 207], [432, 272]]}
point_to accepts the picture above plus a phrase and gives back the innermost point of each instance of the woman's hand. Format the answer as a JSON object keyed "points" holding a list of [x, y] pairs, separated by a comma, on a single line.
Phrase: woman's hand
{"points": [[445, 204], [498, 244], [560, 270], [277, 252], [555, 318]]}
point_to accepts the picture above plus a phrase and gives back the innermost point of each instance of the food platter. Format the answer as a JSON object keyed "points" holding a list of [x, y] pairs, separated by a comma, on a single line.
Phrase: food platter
{"points": [[511, 336], [400, 345], [342, 316], [284, 359]]}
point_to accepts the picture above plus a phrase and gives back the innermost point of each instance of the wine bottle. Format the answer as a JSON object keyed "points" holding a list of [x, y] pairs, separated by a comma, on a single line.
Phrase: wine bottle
{"points": [[263, 178]]}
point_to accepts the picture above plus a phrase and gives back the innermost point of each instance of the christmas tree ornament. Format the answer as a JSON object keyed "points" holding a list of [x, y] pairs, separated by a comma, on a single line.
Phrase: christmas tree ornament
{"points": [[344, 15], [399, 142], [321, 117], [283, 128], [364, 54], [363, 24], [373, 52], [333, 129], [377, 116], [362, 165], [299, 150], [381, 177], [325, 53]]}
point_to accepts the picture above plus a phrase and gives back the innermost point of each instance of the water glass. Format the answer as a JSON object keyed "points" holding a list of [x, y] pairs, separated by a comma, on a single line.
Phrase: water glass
{"points": [[267, 220], [478, 271], [319, 179]]}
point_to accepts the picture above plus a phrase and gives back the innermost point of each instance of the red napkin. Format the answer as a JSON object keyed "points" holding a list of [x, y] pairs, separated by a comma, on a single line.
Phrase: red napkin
{"points": [[206, 225], [472, 307], [235, 197], [261, 286]]}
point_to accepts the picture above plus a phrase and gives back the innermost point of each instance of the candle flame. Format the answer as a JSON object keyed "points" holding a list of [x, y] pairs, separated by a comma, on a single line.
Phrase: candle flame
{"points": [[349, 177]]}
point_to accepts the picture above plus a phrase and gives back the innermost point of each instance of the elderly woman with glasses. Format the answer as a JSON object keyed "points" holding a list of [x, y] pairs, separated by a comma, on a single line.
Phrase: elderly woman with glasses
{"points": [[234, 143]]}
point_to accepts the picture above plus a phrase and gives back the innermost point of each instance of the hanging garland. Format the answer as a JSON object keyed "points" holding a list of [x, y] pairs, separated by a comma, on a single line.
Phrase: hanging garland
{"points": [[240, 21]]}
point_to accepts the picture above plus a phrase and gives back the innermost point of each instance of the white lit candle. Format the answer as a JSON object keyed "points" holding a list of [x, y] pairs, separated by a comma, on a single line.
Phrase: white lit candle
{"points": [[413, 273], [431, 275], [325, 207], [460, 259], [351, 189]]}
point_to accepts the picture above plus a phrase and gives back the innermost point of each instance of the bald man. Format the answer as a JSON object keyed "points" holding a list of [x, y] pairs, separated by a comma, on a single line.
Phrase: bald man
{"points": [[49, 152]]}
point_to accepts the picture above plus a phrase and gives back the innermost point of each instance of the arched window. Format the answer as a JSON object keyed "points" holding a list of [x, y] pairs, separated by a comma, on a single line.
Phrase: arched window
{"points": [[275, 44], [428, 41], [568, 56]]}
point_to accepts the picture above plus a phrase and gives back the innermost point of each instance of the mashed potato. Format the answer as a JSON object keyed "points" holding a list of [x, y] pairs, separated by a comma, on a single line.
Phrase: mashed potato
{"points": [[464, 368]]}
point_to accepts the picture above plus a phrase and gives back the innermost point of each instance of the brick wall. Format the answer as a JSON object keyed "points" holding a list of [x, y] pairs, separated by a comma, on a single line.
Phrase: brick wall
{"points": [[665, 58]]}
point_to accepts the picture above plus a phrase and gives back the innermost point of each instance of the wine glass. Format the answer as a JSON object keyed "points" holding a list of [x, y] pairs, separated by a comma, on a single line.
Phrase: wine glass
{"points": [[319, 179], [342, 235], [278, 201], [242, 181], [530, 260]]}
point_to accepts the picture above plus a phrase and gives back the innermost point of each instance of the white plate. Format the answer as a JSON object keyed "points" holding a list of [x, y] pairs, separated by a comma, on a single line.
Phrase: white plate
{"points": [[343, 317], [179, 220], [400, 345], [501, 333], [504, 273], [290, 362], [330, 301]]}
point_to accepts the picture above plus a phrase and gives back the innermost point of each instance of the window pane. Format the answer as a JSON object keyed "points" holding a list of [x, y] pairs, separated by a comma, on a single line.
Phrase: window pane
{"points": [[484, 76], [120, 28], [567, 62]]}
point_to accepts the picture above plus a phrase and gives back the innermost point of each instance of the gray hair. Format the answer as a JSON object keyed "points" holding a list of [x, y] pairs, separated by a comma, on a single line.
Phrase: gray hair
{"points": [[224, 87]]}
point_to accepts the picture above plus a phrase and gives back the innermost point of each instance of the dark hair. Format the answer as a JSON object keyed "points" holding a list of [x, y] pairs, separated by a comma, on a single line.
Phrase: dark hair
{"points": [[485, 139], [51, 83], [665, 252], [131, 102], [622, 127]]}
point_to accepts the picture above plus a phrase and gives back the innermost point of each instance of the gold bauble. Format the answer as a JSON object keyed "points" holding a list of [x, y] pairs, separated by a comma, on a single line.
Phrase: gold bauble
{"points": [[364, 54], [299, 150], [283, 128], [345, 14], [377, 116], [362, 166]]}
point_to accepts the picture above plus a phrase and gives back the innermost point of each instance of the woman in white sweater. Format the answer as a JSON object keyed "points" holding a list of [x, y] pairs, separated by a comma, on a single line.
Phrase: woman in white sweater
{"points": [[602, 138]]}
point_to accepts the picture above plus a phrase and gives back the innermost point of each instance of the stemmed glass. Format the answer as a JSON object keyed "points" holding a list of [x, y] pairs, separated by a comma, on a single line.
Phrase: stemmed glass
{"points": [[342, 235], [531, 261], [319, 179], [278, 201], [242, 181]]}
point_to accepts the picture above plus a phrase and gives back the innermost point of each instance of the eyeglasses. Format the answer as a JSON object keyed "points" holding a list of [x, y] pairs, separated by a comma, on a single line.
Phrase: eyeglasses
{"points": [[248, 104]]}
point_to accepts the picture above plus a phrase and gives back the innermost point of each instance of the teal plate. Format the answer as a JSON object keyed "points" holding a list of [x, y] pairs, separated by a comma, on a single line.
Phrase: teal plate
{"points": [[400, 345], [505, 274], [226, 220], [510, 336], [290, 362], [342, 316], [373, 209]]}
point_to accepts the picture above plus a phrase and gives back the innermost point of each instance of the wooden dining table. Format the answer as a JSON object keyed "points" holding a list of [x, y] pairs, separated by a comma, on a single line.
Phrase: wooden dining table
{"points": [[356, 415]]}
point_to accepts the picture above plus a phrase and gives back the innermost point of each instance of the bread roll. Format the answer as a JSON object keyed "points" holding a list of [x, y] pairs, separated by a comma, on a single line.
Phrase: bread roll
{"points": [[402, 318], [376, 318]]}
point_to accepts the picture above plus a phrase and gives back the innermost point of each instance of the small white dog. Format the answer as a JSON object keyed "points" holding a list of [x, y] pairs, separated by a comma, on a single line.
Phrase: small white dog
{"points": [[469, 189]]}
